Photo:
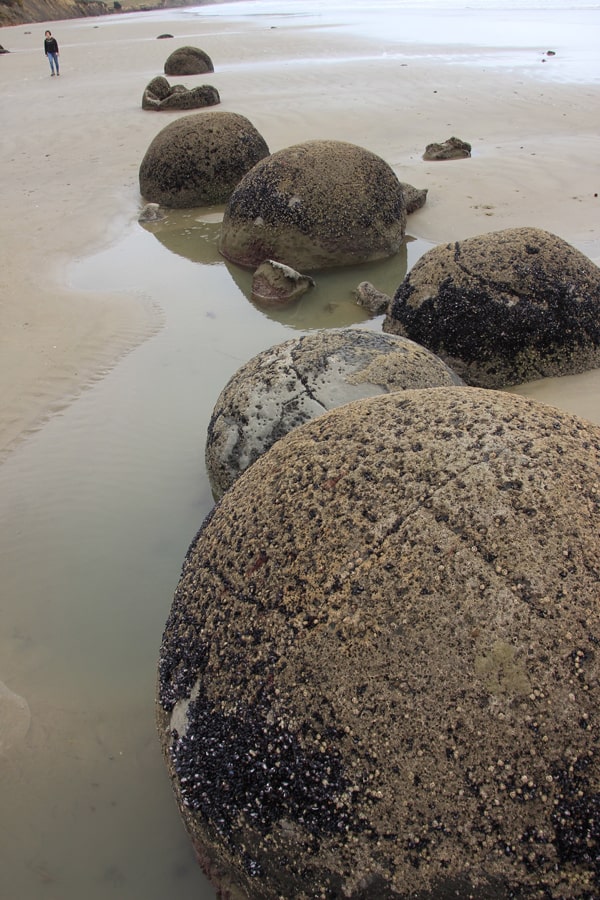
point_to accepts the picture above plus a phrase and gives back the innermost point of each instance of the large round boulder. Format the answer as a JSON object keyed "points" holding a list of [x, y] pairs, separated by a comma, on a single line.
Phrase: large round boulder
{"points": [[199, 159], [293, 382], [314, 205], [380, 673], [503, 308], [188, 61]]}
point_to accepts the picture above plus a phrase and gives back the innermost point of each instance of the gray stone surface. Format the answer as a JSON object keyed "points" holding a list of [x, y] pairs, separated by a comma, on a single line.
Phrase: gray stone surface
{"points": [[293, 382], [414, 198], [188, 61], [369, 297], [453, 148], [160, 95], [503, 308], [380, 674], [275, 284], [314, 205], [199, 159]]}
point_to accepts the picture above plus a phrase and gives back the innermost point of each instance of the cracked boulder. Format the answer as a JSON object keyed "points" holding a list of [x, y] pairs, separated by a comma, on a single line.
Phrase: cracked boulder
{"points": [[453, 148], [503, 308], [293, 382], [315, 205], [188, 61], [380, 675], [199, 159], [159, 95]]}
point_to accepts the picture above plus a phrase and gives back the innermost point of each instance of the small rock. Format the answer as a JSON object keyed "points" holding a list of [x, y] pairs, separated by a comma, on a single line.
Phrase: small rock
{"points": [[414, 198], [275, 284], [453, 148], [370, 298], [151, 213]]}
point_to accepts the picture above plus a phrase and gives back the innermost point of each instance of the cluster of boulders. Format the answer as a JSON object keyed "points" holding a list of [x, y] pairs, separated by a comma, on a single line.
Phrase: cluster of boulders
{"points": [[160, 95], [379, 675]]}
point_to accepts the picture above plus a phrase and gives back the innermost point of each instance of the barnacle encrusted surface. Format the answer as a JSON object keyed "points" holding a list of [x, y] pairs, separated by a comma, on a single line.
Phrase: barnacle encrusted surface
{"points": [[503, 308], [379, 677], [315, 205]]}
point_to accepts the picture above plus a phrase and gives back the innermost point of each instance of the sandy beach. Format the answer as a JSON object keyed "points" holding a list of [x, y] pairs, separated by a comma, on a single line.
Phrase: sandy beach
{"points": [[72, 148], [114, 347]]}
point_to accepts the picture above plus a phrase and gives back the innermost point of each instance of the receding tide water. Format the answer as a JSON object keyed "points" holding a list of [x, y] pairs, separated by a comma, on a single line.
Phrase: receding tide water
{"points": [[98, 509]]}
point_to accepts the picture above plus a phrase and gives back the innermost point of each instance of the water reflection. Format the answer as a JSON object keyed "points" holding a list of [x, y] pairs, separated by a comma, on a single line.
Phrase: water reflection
{"points": [[194, 234]]}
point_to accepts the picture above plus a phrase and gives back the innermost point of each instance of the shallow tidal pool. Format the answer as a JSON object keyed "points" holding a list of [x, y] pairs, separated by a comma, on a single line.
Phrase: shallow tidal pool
{"points": [[98, 509]]}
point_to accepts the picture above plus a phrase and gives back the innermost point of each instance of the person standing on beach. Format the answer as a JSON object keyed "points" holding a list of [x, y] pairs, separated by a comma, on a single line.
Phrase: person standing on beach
{"points": [[51, 51]]}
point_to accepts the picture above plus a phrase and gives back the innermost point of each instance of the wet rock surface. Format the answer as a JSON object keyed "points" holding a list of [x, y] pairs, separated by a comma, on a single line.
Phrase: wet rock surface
{"points": [[199, 159], [315, 205], [291, 383], [274, 284], [503, 308], [379, 677], [160, 95], [414, 198], [369, 297], [188, 61]]}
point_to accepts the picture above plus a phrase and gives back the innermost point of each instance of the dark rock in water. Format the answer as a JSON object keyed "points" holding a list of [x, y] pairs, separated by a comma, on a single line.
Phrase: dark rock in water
{"points": [[414, 198], [188, 61], [2, 50], [314, 205], [503, 308], [160, 95], [161, 37], [199, 159], [370, 298], [453, 148], [274, 284], [380, 673], [293, 382]]}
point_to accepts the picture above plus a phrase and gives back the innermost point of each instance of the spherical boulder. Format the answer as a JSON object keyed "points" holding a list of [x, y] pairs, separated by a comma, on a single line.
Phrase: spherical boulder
{"points": [[380, 673], [503, 308], [315, 205], [293, 382], [188, 61], [199, 159]]}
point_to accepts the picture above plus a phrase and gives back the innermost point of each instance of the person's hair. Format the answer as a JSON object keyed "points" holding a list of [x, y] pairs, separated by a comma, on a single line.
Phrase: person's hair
{"points": [[49, 32]]}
